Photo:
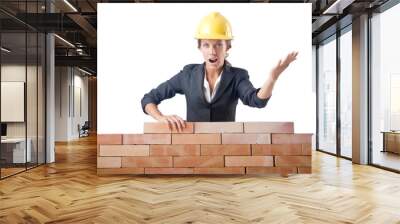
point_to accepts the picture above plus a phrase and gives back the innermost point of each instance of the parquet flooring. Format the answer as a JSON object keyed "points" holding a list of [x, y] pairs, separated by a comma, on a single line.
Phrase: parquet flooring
{"points": [[69, 191]]}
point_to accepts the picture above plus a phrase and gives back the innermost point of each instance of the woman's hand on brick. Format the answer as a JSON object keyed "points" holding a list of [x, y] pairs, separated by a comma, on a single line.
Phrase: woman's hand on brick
{"points": [[173, 121]]}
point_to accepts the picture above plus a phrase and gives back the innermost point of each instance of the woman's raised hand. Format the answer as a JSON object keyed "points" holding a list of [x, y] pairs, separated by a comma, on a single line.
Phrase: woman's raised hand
{"points": [[283, 64]]}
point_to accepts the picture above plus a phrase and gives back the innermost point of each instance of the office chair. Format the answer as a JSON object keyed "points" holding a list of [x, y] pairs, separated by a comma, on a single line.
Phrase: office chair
{"points": [[84, 130]]}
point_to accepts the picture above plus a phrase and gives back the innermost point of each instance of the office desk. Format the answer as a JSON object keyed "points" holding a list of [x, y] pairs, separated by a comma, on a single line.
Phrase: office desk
{"points": [[15, 148], [391, 141]]}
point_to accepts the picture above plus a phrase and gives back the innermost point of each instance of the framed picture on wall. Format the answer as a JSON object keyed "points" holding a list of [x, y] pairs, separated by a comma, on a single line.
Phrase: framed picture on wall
{"points": [[12, 101]]}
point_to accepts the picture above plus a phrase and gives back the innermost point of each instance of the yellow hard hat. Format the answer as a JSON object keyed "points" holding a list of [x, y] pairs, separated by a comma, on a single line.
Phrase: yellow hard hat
{"points": [[214, 26]]}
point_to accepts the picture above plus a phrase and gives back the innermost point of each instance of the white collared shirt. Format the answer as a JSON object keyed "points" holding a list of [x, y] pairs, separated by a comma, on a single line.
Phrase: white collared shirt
{"points": [[206, 87]]}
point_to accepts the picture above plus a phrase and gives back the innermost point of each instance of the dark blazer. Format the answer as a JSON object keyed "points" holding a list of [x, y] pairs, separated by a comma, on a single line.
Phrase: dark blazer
{"points": [[234, 84]]}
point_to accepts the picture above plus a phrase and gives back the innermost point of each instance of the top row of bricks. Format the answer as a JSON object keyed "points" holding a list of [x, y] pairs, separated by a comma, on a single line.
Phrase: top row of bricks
{"points": [[223, 127]]}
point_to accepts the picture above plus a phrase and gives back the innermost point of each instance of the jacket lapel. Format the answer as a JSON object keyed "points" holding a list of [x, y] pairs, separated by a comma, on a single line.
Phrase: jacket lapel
{"points": [[199, 82]]}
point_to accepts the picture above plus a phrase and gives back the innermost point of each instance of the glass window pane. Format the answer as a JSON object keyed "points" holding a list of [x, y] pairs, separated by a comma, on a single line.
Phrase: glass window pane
{"points": [[22, 89], [13, 87], [346, 94], [386, 89], [327, 96]]}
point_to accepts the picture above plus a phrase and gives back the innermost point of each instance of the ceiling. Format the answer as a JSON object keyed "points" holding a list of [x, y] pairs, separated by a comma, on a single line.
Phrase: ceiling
{"points": [[75, 21]]}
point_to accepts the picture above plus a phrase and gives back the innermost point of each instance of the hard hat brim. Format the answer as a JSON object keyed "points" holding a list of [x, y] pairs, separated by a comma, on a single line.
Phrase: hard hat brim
{"points": [[213, 37]]}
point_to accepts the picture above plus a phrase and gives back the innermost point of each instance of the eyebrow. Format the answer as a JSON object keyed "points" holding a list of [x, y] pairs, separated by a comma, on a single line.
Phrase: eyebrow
{"points": [[218, 42]]}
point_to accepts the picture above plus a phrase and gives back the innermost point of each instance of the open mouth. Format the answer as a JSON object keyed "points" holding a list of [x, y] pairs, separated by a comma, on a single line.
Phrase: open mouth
{"points": [[212, 61]]}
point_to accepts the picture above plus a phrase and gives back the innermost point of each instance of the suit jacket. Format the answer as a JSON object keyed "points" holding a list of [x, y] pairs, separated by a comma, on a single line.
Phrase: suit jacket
{"points": [[234, 85]]}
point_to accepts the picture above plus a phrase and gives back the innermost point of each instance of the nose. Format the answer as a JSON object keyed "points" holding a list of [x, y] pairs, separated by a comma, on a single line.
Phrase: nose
{"points": [[213, 51]]}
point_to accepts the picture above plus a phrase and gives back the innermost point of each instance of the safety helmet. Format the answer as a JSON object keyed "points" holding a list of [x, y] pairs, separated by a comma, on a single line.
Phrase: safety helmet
{"points": [[214, 26]]}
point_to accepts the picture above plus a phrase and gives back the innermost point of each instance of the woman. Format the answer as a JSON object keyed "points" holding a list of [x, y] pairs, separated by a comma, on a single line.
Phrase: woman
{"points": [[212, 89]]}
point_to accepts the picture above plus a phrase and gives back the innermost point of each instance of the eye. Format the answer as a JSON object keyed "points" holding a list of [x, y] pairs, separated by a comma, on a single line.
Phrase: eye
{"points": [[206, 45]]}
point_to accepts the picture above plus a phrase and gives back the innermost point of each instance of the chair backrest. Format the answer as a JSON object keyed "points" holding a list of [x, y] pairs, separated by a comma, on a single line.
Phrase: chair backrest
{"points": [[86, 125]]}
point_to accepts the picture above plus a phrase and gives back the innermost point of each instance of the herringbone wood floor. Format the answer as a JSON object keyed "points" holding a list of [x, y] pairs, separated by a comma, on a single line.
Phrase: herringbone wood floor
{"points": [[69, 191]]}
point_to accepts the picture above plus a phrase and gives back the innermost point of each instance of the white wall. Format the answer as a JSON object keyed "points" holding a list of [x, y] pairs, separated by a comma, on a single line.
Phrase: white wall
{"points": [[68, 83], [142, 45], [80, 83], [61, 103]]}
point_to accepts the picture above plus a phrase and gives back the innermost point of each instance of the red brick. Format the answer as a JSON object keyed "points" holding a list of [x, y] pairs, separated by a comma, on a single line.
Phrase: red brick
{"points": [[199, 161], [108, 162], [218, 127], [169, 170], [276, 149], [306, 149], [304, 161], [249, 161], [218, 150], [144, 161], [223, 170], [270, 170], [109, 139], [291, 138], [159, 127], [246, 139], [268, 127], [174, 150], [124, 150], [111, 171], [196, 139], [304, 170], [147, 139]]}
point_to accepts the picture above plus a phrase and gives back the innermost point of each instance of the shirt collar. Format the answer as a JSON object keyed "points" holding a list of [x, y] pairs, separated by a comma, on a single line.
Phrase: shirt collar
{"points": [[205, 83]]}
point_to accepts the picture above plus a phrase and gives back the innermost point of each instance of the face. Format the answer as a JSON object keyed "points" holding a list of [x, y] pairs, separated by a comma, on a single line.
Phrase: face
{"points": [[214, 52]]}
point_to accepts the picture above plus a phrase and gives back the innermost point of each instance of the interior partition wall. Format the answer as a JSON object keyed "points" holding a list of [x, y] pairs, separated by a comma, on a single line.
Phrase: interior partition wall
{"points": [[22, 76]]}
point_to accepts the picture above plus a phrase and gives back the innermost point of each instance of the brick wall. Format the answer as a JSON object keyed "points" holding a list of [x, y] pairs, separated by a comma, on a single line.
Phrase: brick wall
{"points": [[207, 148]]}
